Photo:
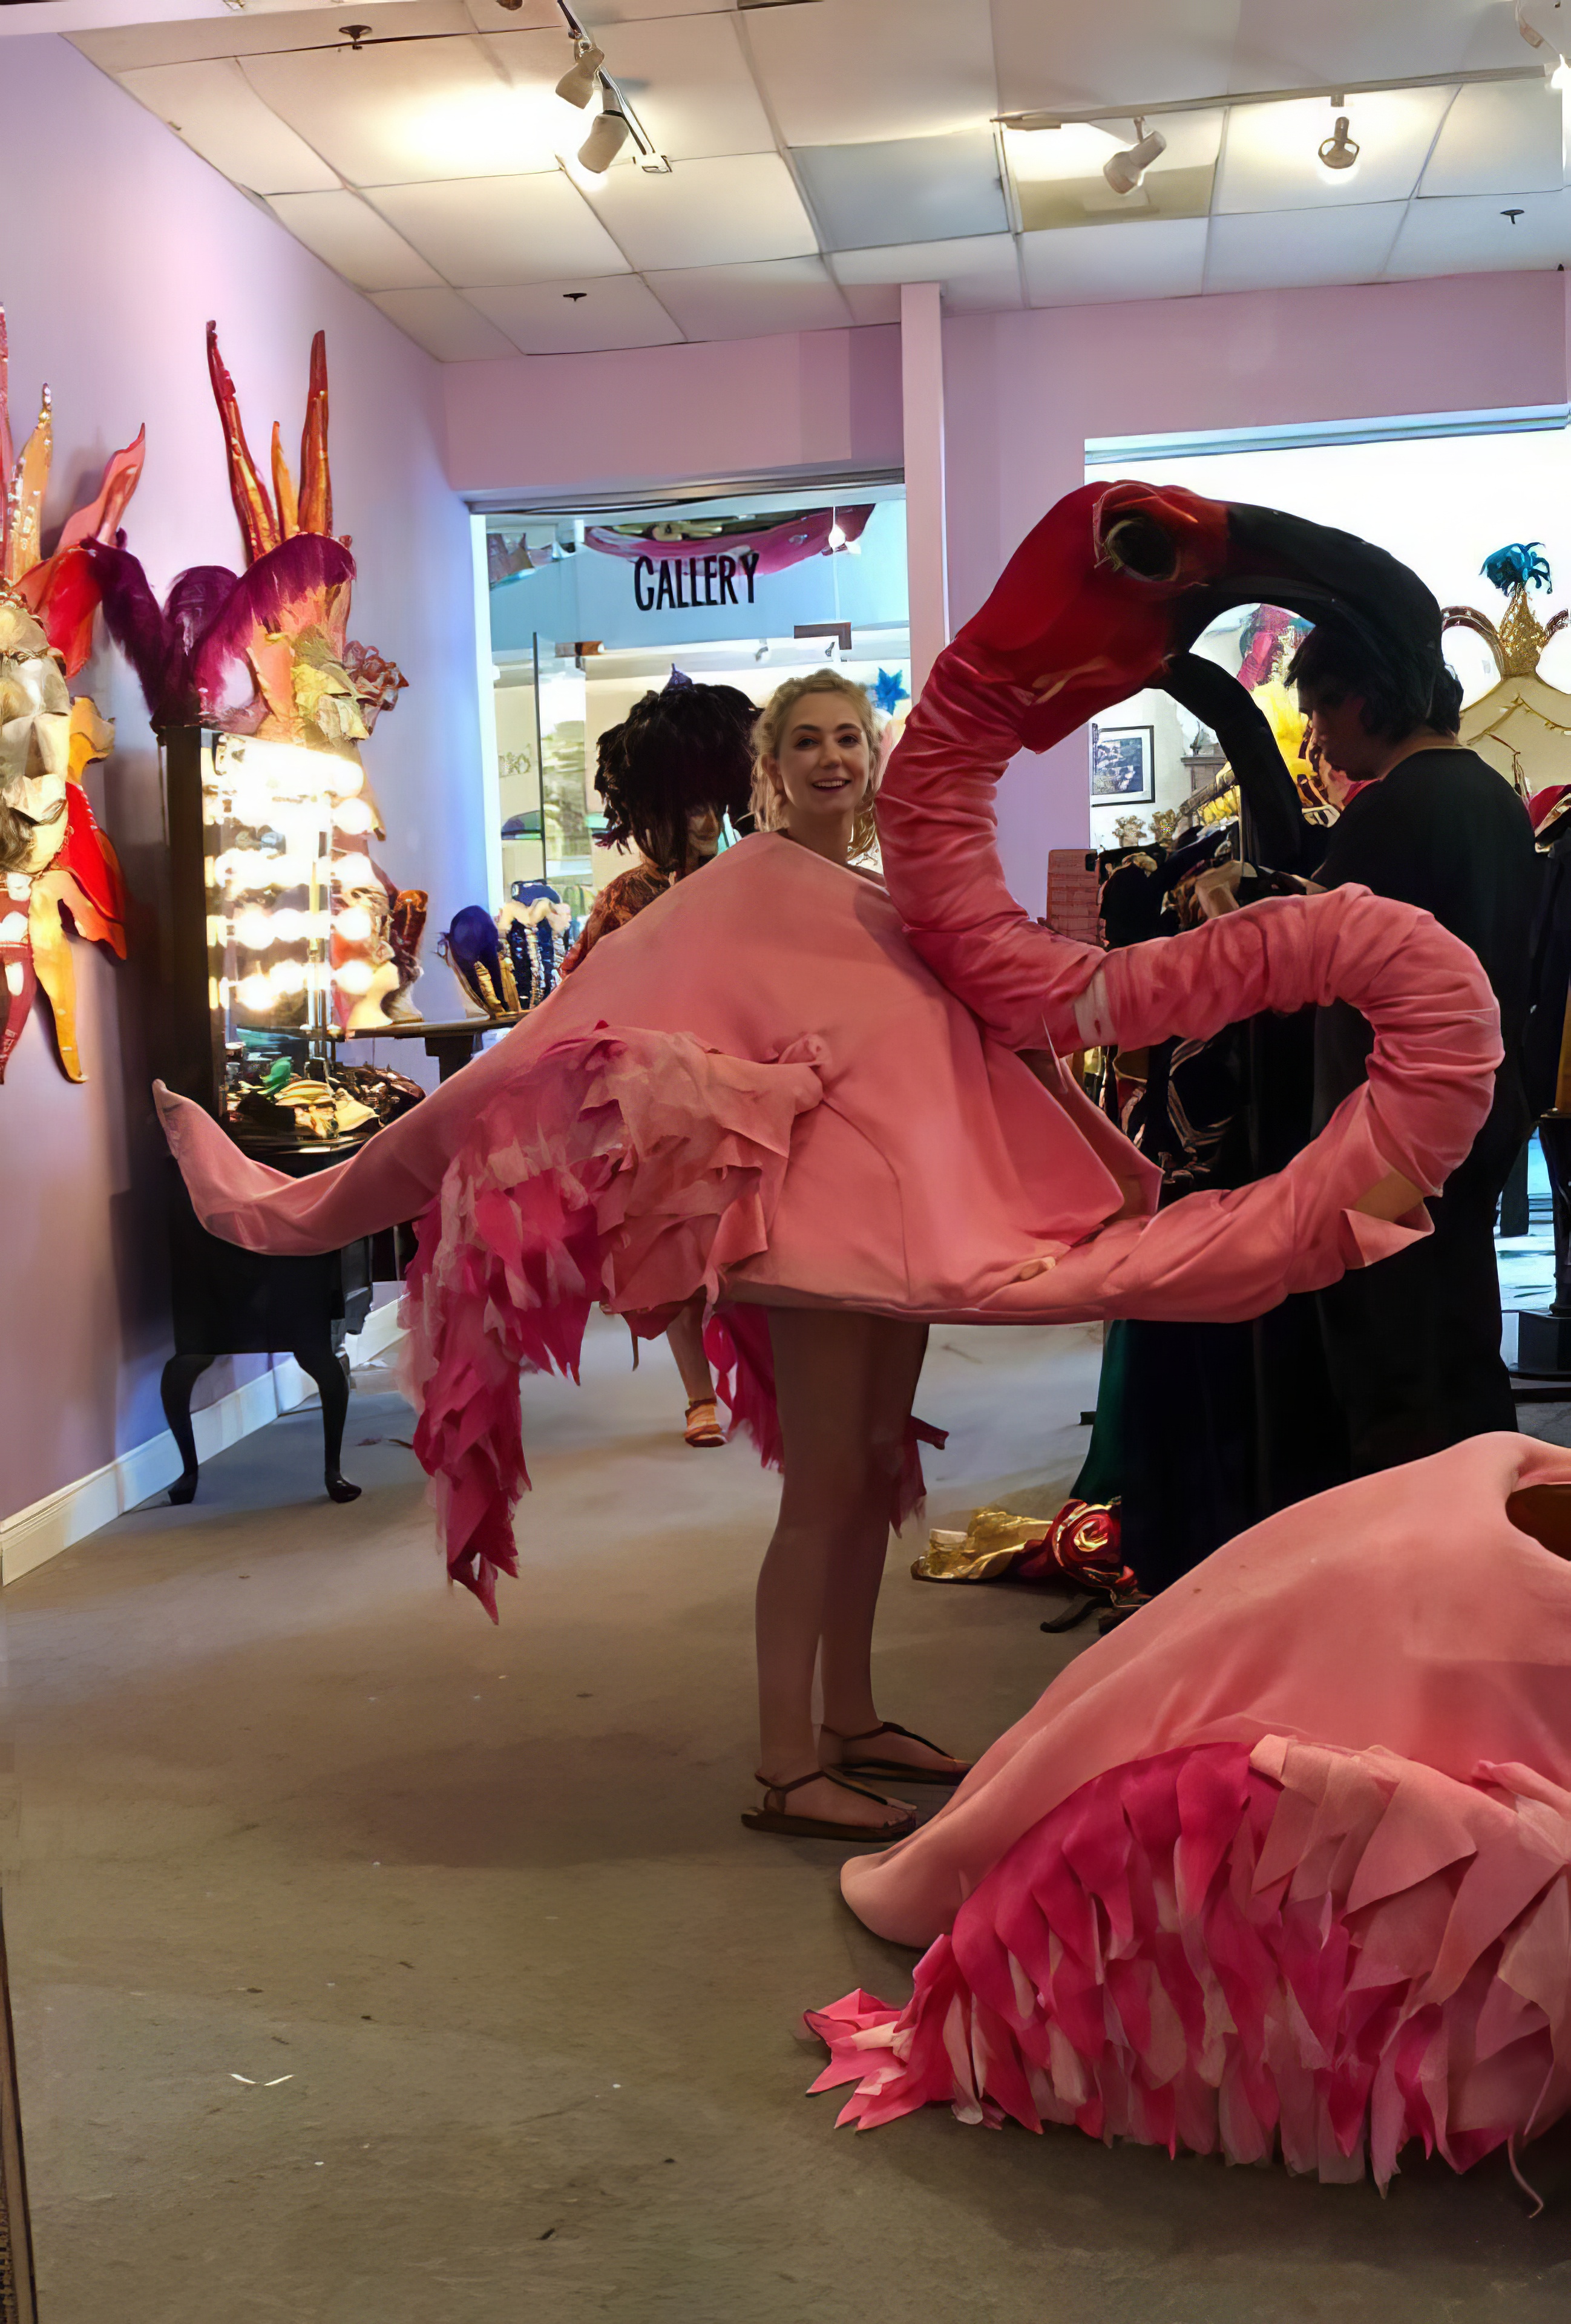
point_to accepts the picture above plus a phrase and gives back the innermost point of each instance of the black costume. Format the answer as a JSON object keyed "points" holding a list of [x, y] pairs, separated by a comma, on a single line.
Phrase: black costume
{"points": [[1413, 1346]]}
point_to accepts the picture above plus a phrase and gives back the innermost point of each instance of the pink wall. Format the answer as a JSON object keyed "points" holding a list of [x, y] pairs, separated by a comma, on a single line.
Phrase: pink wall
{"points": [[745, 408], [1022, 394], [122, 245]]}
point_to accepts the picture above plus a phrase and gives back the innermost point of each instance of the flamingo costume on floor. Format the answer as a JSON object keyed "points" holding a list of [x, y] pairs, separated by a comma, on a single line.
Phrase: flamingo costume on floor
{"points": [[845, 1116]]}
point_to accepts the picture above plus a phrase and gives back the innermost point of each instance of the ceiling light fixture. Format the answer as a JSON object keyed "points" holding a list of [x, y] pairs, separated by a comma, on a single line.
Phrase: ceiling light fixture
{"points": [[1340, 150], [1560, 78], [836, 532], [1124, 171], [605, 140], [579, 84]]}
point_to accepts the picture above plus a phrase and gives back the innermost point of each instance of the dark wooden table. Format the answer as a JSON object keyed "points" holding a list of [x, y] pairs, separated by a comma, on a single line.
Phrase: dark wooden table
{"points": [[451, 1044]]}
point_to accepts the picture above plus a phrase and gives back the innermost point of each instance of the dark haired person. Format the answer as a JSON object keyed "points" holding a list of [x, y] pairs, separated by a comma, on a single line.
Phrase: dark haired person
{"points": [[678, 764], [1413, 1344]]}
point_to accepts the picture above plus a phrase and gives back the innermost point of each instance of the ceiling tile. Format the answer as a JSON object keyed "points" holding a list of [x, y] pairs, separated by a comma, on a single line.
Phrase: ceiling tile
{"points": [[690, 86], [1059, 172], [501, 230], [714, 213], [873, 302], [251, 31], [445, 325], [1159, 258], [219, 116], [1473, 236], [1290, 249], [1095, 52], [978, 274], [597, 12], [424, 110], [1285, 44], [358, 244], [615, 311], [745, 302], [1502, 140], [904, 188], [1268, 154], [845, 71]]}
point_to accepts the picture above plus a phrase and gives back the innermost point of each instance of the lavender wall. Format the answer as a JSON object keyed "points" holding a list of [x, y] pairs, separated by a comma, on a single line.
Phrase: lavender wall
{"points": [[122, 243]]}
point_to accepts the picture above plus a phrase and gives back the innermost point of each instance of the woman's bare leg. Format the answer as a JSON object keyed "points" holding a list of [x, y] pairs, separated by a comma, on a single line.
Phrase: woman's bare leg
{"points": [[685, 1332], [843, 1385]]}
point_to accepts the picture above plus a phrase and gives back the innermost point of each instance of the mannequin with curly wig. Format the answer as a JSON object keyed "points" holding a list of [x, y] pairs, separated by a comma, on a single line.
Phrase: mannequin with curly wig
{"points": [[675, 767]]}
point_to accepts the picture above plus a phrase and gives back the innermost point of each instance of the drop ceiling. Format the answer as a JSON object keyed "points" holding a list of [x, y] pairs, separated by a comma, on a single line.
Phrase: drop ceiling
{"points": [[821, 152]]}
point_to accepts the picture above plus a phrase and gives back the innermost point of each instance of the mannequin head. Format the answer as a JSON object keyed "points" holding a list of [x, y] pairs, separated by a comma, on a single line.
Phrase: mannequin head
{"points": [[678, 763], [815, 768]]}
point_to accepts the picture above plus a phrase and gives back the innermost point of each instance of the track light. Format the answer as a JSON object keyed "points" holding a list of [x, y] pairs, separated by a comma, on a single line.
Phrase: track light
{"points": [[605, 141], [1339, 150], [582, 78], [1560, 79], [837, 534], [1124, 171], [762, 653]]}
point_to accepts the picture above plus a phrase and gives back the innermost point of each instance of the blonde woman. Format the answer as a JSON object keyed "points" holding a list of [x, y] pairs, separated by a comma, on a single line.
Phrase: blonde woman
{"points": [[843, 1383]]}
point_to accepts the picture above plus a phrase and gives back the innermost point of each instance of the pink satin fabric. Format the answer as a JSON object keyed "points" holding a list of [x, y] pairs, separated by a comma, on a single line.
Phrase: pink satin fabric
{"points": [[1403, 1612]]}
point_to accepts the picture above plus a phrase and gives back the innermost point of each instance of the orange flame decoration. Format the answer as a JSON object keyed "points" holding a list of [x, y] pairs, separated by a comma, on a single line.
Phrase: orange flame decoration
{"points": [[264, 522]]}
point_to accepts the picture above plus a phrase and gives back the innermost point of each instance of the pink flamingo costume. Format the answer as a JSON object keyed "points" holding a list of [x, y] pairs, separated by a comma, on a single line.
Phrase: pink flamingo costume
{"points": [[843, 1117]]}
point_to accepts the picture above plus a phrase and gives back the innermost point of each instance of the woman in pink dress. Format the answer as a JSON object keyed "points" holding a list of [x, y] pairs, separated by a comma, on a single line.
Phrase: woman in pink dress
{"points": [[861, 1127]]}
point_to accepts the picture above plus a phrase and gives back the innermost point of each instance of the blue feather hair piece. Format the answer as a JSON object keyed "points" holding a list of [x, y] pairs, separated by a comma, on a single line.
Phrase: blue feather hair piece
{"points": [[1517, 565]]}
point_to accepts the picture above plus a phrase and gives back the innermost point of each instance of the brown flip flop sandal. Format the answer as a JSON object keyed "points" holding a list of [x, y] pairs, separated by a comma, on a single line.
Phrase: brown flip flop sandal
{"points": [[777, 1819], [855, 1764]]}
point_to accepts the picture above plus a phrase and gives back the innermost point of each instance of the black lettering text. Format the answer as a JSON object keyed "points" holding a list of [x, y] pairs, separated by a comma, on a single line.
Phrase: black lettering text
{"points": [[749, 566], [708, 580], [727, 580], [641, 565], [665, 594]]}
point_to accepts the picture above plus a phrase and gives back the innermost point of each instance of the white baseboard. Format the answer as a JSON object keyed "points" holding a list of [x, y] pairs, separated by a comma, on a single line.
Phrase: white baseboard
{"points": [[34, 1536]]}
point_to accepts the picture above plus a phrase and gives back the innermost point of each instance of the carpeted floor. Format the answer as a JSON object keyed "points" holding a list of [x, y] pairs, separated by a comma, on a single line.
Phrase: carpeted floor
{"points": [[374, 1966]]}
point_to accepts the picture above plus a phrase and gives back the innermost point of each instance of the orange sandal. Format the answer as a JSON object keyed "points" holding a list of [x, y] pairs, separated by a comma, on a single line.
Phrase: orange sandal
{"points": [[703, 1428], [786, 1826]]}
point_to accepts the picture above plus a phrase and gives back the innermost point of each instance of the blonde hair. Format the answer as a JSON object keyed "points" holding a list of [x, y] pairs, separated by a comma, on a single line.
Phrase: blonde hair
{"points": [[768, 800]]}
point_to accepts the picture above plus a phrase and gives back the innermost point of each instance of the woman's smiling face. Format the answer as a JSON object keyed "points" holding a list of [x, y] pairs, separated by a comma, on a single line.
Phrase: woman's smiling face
{"points": [[824, 768]]}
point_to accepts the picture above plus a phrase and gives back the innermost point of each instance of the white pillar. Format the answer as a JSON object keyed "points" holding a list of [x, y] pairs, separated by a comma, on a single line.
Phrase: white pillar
{"points": [[922, 345]]}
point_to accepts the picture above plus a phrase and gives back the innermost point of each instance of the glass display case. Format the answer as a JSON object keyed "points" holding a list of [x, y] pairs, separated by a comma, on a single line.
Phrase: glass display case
{"points": [[268, 870]]}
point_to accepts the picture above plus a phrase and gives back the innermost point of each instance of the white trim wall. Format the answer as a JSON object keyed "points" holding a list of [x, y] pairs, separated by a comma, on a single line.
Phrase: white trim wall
{"points": [[34, 1536]]}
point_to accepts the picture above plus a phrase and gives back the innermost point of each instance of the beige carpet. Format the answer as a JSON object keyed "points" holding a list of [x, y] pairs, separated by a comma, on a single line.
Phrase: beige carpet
{"points": [[513, 1994]]}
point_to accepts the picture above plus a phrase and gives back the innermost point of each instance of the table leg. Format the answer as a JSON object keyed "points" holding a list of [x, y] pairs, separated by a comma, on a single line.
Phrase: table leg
{"points": [[180, 1375], [322, 1365]]}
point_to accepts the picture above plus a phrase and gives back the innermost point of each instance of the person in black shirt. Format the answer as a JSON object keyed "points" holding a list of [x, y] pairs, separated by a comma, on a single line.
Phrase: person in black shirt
{"points": [[1413, 1343]]}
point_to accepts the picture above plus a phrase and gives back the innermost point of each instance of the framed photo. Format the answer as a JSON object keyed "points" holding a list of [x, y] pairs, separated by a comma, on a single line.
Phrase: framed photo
{"points": [[1123, 762]]}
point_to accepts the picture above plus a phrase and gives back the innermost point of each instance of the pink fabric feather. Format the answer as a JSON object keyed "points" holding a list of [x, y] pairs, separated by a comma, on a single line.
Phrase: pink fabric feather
{"points": [[1303, 1949]]}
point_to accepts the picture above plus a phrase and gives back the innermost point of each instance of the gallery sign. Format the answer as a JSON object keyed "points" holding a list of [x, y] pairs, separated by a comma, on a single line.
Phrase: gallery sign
{"points": [[694, 562], [712, 579]]}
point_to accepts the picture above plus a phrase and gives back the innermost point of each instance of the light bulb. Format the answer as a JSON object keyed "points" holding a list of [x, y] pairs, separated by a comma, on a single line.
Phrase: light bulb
{"points": [[604, 143], [353, 976], [287, 976], [253, 805], [345, 777], [255, 994], [351, 815], [1340, 150], [254, 930], [353, 924], [837, 534], [289, 925], [1124, 171], [578, 83], [355, 871]]}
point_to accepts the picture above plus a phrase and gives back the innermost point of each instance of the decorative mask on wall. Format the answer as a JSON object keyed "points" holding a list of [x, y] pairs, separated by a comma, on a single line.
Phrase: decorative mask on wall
{"points": [[267, 653], [56, 869]]}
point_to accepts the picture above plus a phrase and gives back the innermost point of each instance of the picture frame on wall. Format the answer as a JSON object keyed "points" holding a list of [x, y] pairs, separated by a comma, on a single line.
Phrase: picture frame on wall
{"points": [[1122, 764]]}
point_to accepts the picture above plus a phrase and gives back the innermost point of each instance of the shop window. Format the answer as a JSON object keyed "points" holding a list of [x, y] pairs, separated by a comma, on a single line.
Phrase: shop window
{"points": [[592, 609]]}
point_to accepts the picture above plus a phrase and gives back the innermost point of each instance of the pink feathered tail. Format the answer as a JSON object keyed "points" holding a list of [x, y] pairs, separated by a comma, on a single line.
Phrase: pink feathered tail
{"points": [[619, 1154], [1336, 1951], [737, 1343]]}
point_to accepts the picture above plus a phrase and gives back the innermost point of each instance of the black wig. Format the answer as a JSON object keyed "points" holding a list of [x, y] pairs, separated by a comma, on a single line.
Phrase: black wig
{"points": [[675, 752]]}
